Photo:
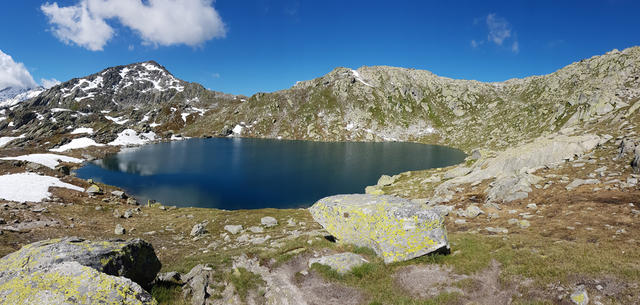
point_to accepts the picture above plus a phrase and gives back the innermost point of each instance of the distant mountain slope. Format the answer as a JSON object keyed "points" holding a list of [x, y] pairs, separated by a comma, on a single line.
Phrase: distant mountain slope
{"points": [[11, 96], [387, 103], [368, 104]]}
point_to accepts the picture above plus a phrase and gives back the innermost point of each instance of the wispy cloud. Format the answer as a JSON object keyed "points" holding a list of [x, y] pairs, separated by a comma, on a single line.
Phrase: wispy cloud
{"points": [[156, 22], [499, 32], [48, 83], [499, 29], [215, 75]]}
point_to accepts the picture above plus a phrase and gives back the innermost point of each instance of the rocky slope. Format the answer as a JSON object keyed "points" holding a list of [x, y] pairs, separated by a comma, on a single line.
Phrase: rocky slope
{"points": [[368, 104], [386, 103]]}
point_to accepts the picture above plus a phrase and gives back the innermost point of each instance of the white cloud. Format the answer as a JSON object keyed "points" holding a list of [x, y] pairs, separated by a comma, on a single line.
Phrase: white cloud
{"points": [[499, 29], [77, 24], [48, 83], [14, 74], [157, 22]]}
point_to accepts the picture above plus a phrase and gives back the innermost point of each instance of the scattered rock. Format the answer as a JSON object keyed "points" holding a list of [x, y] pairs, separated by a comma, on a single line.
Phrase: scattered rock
{"points": [[199, 229], [119, 194], [132, 201], [395, 228], [579, 182], [256, 229], [532, 206], [456, 172], [128, 213], [386, 180], [497, 230], [472, 211], [523, 224], [233, 229], [341, 262], [268, 221], [94, 190], [580, 296], [169, 277], [119, 230], [117, 214]]}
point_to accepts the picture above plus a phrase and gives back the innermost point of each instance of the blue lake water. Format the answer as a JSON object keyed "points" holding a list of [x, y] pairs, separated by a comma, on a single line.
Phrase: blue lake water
{"points": [[235, 173]]}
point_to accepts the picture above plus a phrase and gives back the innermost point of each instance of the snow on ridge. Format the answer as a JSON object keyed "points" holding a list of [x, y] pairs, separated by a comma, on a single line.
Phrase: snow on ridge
{"points": [[81, 130], [48, 160], [356, 74], [21, 97], [237, 129], [23, 187], [131, 137], [76, 143], [5, 140], [118, 120]]}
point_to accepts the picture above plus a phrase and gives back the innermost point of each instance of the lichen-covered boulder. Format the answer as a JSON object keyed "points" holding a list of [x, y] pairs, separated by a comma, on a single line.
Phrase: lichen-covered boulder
{"points": [[134, 259], [395, 228], [69, 283]]}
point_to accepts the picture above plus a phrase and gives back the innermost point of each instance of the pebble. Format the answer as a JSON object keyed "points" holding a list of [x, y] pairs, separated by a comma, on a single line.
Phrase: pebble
{"points": [[119, 230]]}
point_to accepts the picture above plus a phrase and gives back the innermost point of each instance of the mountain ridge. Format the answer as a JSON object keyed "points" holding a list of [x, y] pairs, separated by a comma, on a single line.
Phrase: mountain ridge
{"points": [[378, 103]]}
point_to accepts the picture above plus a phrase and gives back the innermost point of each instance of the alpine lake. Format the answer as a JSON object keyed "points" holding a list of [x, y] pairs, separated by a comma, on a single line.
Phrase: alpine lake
{"points": [[244, 173]]}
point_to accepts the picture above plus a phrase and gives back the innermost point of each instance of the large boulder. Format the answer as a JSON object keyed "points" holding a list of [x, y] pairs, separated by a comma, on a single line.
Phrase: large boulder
{"points": [[134, 259], [395, 228], [69, 283]]}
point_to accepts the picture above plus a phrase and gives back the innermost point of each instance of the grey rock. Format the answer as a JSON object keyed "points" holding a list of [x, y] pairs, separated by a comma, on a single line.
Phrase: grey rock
{"points": [[473, 211], [134, 259], [169, 277], [128, 213], [196, 284], [94, 190], [268, 221], [132, 201], [233, 229], [497, 230], [578, 182], [256, 229], [395, 228], [199, 229], [117, 214], [580, 296], [119, 194], [635, 163], [119, 230], [532, 206], [386, 180], [69, 283], [341, 262]]}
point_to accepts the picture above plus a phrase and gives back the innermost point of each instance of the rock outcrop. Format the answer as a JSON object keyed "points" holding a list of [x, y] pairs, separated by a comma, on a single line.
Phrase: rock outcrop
{"points": [[395, 228], [76, 271], [341, 262]]}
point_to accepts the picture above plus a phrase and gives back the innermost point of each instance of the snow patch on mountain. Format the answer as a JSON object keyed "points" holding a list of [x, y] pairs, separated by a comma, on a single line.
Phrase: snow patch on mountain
{"points": [[76, 143], [48, 160], [131, 137], [11, 96], [30, 187]]}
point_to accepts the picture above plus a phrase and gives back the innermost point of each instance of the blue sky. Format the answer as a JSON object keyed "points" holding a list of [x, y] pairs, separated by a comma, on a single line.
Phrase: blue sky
{"points": [[249, 46]]}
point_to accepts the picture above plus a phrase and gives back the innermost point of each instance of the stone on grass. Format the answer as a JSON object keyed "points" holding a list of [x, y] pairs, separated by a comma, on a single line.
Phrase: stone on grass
{"points": [[341, 262], [268, 221], [94, 190], [395, 228], [233, 229], [523, 224], [497, 230], [580, 296], [119, 230], [579, 182], [199, 229], [473, 211], [119, 194]]}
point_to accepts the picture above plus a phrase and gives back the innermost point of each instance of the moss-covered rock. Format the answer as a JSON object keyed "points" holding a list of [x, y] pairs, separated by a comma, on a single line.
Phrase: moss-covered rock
{"points": [[69, 283], [395, 228], [134, 259]]}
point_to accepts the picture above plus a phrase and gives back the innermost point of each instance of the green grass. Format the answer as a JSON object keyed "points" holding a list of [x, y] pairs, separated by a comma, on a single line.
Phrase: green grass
{"points": [[168, 295], [245, 281]]}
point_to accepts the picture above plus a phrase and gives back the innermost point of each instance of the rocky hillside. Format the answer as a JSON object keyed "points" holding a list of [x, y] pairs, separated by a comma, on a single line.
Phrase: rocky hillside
{"points": [[386, 103], [368, 104]]}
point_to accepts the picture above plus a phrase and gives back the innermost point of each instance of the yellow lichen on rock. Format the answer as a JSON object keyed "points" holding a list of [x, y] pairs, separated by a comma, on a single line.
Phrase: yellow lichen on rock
{"points": [[395, 228]]}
